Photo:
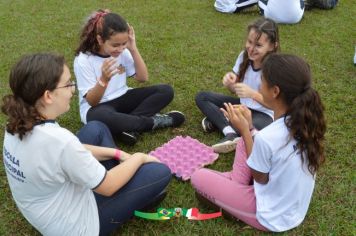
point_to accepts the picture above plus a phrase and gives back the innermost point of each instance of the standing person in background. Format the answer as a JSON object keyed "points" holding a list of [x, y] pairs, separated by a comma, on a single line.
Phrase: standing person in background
{"points": [[273, 176], [244, 82], [106, 56], [57, 182]]}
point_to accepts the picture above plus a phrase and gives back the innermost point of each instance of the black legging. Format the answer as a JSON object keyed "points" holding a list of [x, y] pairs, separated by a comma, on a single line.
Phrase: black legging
{"points": [[210, 103], [132, 111]]}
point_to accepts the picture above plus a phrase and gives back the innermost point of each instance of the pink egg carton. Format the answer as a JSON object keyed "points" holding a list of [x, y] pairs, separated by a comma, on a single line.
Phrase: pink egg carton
{"points": [[184, 155]]}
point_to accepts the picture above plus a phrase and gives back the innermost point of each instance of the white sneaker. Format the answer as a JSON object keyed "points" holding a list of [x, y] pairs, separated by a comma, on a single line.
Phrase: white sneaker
{"points": [[227, 144]]}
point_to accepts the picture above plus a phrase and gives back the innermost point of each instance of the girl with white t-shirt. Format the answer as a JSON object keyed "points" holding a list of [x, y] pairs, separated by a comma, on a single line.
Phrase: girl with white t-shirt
{"points": [[273, 176], [55, 177], [106, 56], [243, 82]]}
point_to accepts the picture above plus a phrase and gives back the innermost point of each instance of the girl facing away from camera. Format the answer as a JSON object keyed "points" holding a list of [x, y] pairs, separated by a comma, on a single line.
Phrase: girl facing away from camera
{"points": [[106, 56], [244, 82], [273, 175], [63, 184]]}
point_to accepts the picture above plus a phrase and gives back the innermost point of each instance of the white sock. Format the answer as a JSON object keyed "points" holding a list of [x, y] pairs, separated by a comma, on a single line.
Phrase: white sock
{"points": [[228, 130]]}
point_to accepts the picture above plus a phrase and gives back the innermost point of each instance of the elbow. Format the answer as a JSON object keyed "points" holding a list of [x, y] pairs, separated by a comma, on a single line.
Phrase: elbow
{"points": [[262, 179], [107, 193], [141, 77], [259, 177], [91, 102]]}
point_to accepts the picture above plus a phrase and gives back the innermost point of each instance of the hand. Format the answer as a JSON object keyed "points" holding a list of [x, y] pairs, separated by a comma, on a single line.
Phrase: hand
{"points": [[229, 79], [131, 45], [145, 157], [108, 69], [235, 115], [243, 91], [247, 115]]}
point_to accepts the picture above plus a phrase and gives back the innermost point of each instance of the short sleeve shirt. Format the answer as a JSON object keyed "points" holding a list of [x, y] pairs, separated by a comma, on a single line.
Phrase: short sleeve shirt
{"points": [[51, 177], [87, 70]]}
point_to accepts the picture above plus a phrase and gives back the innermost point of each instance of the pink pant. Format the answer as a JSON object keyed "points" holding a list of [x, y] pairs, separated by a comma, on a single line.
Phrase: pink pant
{"points": [[232, 191]]}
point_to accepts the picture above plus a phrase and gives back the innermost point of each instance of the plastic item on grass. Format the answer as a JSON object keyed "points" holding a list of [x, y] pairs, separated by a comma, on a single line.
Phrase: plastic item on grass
{"points": [[185, 155]]}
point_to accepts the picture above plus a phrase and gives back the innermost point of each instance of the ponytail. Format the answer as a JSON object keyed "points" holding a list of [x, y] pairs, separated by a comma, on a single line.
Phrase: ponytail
{"points": [[307, 126], [22, 117], [305, 114]]}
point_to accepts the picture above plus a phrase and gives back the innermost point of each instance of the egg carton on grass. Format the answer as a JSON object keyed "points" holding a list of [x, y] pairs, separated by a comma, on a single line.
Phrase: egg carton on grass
{"points": [[185, 155]]}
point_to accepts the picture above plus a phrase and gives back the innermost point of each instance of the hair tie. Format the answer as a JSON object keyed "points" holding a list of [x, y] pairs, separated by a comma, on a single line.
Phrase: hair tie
{"points": [[99, 15]]}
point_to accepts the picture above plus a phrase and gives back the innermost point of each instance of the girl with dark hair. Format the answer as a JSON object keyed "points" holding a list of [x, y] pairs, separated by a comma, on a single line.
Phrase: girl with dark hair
{"points": [[56, 178], [243, 81], [273, 175], [106, 56]]}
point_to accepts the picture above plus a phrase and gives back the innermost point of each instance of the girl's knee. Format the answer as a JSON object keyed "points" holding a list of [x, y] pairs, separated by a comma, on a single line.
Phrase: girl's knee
{"points": [[201, 97], [198, 178], [97, 127], [159, 170], [90, 133], [167, 90]]}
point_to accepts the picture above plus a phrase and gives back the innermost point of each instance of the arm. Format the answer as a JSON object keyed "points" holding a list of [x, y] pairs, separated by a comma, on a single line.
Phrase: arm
{"points": [[240, 118], [95, 94], [259, 177], [105, 153], [118, 176], [244, 91], [140, 66]]}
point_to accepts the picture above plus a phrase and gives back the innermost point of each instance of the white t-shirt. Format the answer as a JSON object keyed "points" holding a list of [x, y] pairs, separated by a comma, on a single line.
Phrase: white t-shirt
{"points": [[51, 175], [253, 79], [283, 11], [283, 202], [87, 69]]}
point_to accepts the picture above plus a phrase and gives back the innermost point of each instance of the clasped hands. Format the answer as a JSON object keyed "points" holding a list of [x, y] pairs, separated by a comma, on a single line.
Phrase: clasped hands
{"points": [[240, 89], [239, 116]]}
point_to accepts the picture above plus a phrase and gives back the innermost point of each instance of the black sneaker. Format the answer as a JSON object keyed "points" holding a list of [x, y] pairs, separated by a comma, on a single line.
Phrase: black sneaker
{"points": [[207, 125], [170, 119], [129, 138], [227, 144]]}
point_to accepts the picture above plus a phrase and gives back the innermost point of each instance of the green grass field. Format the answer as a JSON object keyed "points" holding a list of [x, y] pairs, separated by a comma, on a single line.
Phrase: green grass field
{"points": [[189, 45]]}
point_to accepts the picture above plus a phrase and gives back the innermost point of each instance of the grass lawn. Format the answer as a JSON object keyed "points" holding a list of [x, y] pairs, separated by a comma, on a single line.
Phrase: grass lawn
{"points": [[189, 45]]}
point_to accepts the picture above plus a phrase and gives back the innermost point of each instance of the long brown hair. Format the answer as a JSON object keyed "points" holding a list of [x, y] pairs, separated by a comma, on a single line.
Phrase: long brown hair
{"points": [[102, 23], [29, 79], [262, 25], [305, 114]]}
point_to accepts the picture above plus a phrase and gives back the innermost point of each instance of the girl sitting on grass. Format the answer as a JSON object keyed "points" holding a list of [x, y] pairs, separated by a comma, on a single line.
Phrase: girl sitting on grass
{"points": [[244, 82], [273, 175], [58, 183], [106, 56]]}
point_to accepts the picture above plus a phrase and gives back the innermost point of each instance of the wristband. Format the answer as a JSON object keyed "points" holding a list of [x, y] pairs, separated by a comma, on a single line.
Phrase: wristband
{"points": [[253, 131], [117, 155], [102, 83]]}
